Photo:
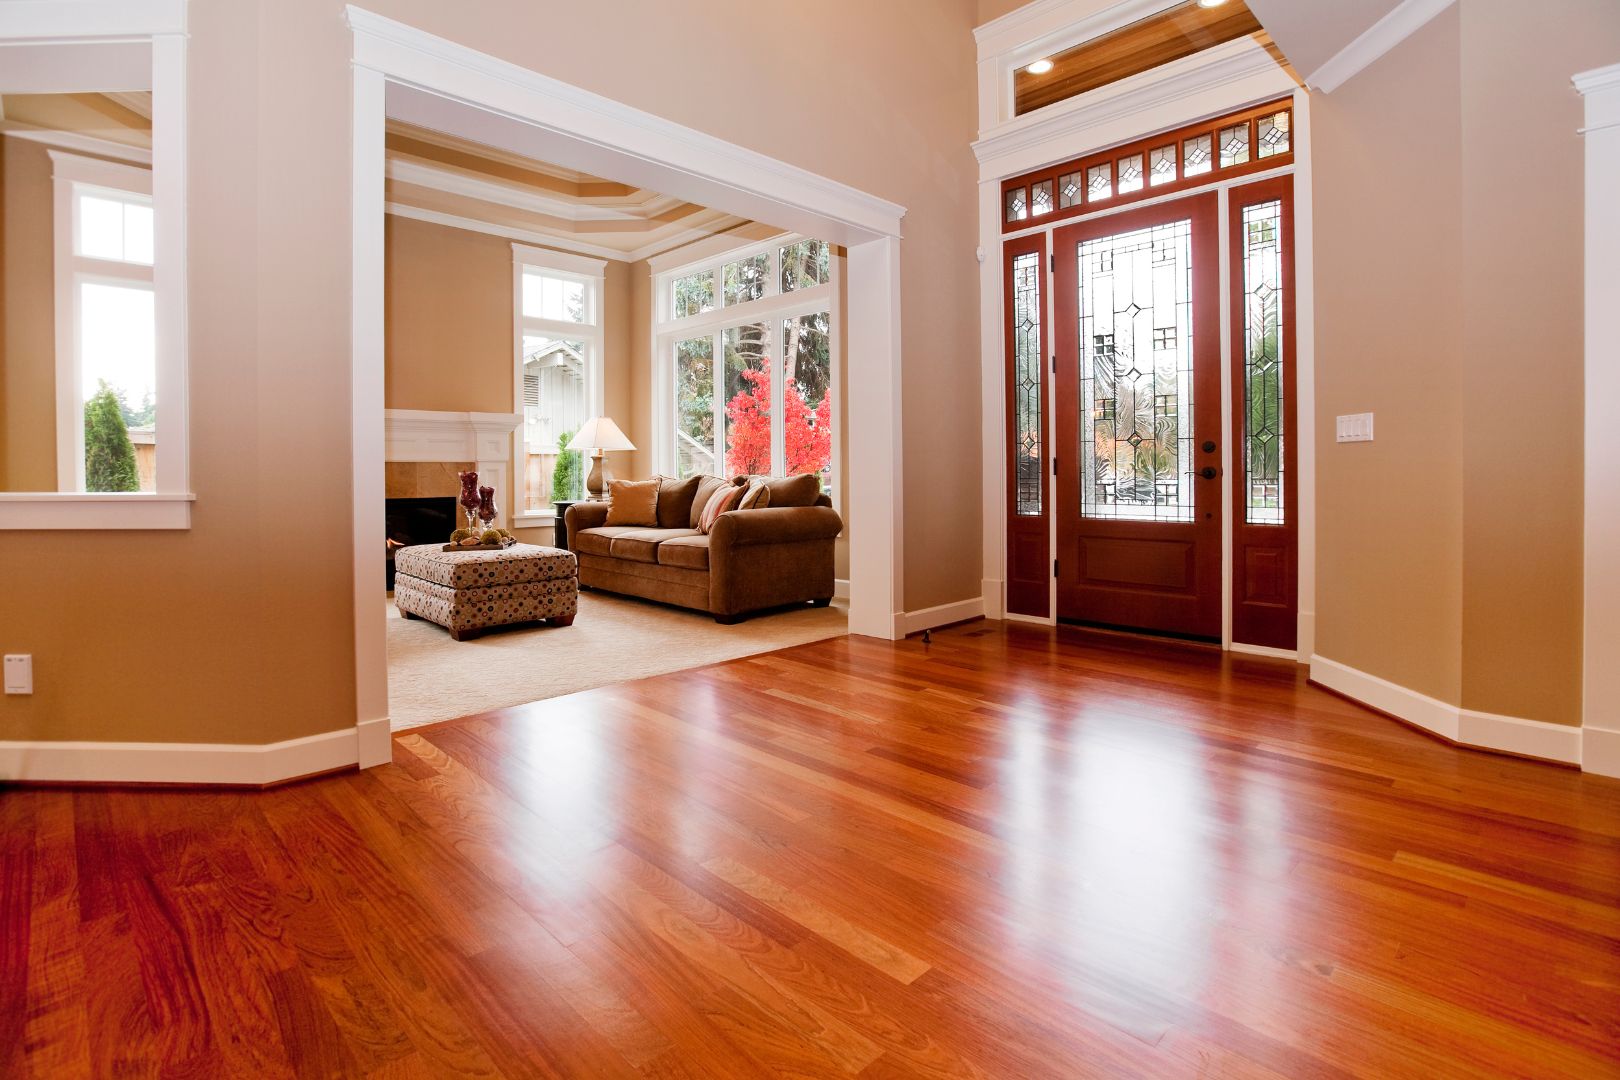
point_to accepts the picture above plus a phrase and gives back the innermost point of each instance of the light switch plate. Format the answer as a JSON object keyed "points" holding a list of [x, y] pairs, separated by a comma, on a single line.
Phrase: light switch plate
{"points": [[19, 673], [1357, 427]]}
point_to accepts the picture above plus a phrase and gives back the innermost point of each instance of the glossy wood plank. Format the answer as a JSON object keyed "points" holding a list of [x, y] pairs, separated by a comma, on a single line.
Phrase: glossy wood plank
{"points": [[1012, 852]]}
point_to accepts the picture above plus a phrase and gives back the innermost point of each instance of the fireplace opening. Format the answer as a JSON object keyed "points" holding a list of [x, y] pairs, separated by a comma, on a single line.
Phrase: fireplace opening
{"points": [[418, 521]]}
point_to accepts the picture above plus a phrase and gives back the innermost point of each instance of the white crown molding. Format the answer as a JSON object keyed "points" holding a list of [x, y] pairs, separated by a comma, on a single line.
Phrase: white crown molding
{"points": [[425, 435], [1592, 749], [516, 196], [707, 249], [1406, 19], [508, 232], [1597, 80], [1210, 82], [382, 44], [194, 763], [78, 20], [77, 142]]}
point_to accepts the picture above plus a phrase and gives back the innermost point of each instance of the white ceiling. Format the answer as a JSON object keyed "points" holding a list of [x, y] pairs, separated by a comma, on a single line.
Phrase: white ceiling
{"points": [[1312, 32]]}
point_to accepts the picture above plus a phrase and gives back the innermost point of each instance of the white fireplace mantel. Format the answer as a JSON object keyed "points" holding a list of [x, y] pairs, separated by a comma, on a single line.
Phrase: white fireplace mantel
{"points": [[485, 439]]}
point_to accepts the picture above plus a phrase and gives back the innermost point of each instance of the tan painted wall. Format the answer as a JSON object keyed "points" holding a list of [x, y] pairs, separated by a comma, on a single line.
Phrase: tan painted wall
{"points": [[1522, 201], [1388, 341], [1448, 196], [27, 320]]}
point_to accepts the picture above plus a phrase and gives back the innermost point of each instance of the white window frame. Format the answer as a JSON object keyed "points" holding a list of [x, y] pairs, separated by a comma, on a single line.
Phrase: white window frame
{"points": [[71, 177], [138, 45], [592, 273], [773, 308]]}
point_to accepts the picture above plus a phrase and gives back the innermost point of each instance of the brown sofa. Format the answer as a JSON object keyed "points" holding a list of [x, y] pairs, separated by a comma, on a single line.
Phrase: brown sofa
{"points": [[748, 561]]}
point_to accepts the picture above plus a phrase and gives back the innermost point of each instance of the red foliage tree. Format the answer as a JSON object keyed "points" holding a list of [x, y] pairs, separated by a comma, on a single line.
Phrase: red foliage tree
{"points": [[807, 432]]}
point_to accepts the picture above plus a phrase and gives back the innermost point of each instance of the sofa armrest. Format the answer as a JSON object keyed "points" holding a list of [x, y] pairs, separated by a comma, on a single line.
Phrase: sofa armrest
{"points": [[774, 525], [585, 515]]}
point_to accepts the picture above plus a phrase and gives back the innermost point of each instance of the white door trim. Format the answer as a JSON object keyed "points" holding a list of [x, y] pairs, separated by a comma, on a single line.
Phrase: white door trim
{"points": [[407, 73]]}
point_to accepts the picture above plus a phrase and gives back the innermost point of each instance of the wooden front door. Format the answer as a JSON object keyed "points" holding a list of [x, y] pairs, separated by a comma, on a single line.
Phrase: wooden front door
{"points": [[1138, 393]]}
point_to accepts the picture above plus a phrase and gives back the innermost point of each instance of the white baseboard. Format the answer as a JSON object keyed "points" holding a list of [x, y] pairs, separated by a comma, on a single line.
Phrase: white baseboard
{"points": [[1592, 749], [1264, 650], [915, 622], [195, 763], [1600, 751], [841, 588]]}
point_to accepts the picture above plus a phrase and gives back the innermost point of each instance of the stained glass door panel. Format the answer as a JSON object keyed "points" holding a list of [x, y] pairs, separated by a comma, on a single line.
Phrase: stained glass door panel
{"points": [[1138, 419], [1029, 522]]}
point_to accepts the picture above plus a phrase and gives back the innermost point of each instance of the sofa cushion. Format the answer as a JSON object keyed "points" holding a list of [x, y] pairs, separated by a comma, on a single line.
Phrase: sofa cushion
{"points": [[597, 541], [722, 501], [707, 486], [641, 545], [633, 502], [691, 552], [756, 496], [675, 501], [801, 490]]}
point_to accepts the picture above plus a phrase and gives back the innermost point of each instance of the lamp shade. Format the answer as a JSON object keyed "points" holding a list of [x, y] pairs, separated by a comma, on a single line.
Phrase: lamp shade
{"points": [[600, 433]]}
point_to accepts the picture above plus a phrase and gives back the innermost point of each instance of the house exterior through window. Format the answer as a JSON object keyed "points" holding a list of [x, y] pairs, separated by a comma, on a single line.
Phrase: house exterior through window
{"points": [[558, 298], [746, 368]]}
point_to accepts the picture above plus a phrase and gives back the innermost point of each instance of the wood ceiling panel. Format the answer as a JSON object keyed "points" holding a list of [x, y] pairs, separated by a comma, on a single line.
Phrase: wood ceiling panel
{"points": [[1130, 50]]}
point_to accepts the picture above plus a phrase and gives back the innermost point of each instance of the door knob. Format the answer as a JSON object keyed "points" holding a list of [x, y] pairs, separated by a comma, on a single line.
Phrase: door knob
{"points": [[1209, 446], [1209, 472]]}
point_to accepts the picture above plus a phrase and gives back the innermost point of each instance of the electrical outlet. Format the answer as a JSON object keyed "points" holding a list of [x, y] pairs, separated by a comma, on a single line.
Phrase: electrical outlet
{"points": [[19, 673], [1357, 427]]}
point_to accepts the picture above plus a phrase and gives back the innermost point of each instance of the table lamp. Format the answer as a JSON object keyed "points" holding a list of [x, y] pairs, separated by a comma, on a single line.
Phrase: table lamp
{"points": [[597, 435]]}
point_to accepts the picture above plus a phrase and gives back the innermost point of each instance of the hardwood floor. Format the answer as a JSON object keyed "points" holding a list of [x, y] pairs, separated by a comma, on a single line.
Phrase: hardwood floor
{"points": [[1010, 853]]}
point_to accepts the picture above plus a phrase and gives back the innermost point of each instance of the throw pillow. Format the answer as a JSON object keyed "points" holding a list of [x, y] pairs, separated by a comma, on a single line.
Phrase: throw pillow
{"points": [[675, 501], [756, 497], [706, 489], [634, 502], [718, 504], [801, 490]]}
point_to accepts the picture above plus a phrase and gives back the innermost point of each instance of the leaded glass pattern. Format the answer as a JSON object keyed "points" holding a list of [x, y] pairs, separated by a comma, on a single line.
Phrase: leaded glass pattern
{"points": [[1027, 368], [1263, 360], [1162, 166], [1271, 134], [1017, 208], [1197, 157], [1130, 174], [1041, 198], [1234, 145], [1069, 190], [1136, 385], [1099, 182]]}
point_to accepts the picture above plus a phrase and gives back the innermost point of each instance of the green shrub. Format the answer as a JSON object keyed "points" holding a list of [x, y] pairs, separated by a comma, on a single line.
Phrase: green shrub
{"points": [[109, 456], [566, 474]]}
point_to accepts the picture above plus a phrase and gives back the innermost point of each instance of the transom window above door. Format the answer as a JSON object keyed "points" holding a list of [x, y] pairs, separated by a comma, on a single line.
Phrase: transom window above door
{"points": [[1236, 144]]}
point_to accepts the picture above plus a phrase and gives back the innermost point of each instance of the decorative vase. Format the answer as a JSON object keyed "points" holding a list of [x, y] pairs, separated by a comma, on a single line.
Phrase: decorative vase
{"points": [[469, 497], [487, 509]]}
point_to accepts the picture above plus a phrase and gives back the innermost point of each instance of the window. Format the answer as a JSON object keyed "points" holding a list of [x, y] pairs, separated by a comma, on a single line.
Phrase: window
{"points": [[747, 376], [559, 301], [106, 430]]}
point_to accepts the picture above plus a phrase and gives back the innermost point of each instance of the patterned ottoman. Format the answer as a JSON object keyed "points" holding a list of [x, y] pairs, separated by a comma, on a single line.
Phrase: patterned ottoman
{"points": [[470, 591]]}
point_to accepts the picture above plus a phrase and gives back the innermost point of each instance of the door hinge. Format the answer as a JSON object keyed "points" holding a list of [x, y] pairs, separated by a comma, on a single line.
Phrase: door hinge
{"points": [[1051, 263], [1054, 466], [1054, 568], [1054, 363]]}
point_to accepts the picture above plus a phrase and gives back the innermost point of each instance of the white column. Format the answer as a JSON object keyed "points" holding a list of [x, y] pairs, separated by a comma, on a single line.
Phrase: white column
{"points": [[876, 491], [1600, 735], [992, 389]]}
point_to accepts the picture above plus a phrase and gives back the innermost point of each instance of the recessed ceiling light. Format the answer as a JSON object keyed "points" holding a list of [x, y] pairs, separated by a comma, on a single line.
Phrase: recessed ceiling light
{"points": [[1039, 67], [1210, 3]]}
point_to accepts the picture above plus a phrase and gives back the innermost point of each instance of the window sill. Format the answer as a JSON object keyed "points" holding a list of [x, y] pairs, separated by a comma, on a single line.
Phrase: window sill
{"points": [[539, 519], [54, 510]]}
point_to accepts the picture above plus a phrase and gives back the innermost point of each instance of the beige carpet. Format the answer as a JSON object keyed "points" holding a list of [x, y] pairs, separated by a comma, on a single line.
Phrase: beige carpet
{"points": [[613, 640]]}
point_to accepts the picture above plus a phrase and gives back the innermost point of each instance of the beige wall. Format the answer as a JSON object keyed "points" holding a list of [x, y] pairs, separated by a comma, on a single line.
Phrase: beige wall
{"points": [[27, 319], [1448, 194]]}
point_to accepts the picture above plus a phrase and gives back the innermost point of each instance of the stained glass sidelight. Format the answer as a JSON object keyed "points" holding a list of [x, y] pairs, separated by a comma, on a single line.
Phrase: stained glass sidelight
{"points": [[1099, 182], [1130, 173], [1262, 368], [1017, 208], [1162, 166], [1234, 145], [1196, 156], [1271, 134], [1041, 198], [1027, 368], [1136, 408], [1068, 190]]}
